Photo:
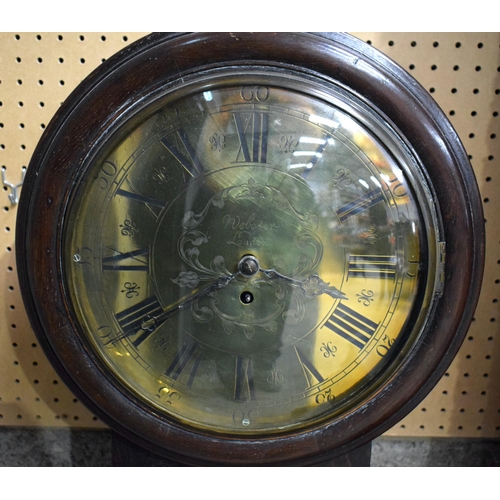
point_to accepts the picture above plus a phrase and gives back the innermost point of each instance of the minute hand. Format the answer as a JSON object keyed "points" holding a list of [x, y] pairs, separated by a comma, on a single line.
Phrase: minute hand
{"points": [[311, 286]]}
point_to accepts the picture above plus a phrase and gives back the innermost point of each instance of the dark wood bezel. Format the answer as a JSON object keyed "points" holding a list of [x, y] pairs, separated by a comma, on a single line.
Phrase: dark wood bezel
{"points": [[141, 71]]}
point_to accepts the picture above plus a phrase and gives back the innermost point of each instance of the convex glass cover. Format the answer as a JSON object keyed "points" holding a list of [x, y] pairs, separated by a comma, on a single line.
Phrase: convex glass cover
{"points": [[252, 254]]}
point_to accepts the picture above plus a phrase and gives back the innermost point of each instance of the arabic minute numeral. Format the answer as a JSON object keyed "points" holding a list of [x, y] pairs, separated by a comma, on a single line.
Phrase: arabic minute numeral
{"points": [[397, 188], [105, 333], [384, 346], [167, 395], [168, 115], [244, 418], [106, 172], [325, 396], [254, 93]]}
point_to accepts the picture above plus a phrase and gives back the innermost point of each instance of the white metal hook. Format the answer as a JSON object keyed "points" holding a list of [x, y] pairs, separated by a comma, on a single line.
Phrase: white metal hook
{"points": [[14, 195]]}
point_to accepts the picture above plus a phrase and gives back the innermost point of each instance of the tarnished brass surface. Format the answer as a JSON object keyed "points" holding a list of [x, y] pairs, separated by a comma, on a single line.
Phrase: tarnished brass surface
{"points": [[340, 241]]}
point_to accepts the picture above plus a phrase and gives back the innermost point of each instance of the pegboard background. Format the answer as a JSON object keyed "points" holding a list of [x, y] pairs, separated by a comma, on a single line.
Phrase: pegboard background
{"points": [[460, 70]]}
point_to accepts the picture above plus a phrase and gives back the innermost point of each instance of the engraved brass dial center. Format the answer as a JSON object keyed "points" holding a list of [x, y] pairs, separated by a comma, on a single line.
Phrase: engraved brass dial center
{"points": [[258, 278], [248, 266]]}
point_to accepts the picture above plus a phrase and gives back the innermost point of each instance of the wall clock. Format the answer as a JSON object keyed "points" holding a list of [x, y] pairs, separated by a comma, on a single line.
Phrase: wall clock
{"points": [[250, 249]]}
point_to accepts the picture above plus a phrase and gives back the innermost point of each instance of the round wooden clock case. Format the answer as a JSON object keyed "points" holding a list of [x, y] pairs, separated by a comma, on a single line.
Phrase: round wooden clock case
{"points": [[250, 249]]}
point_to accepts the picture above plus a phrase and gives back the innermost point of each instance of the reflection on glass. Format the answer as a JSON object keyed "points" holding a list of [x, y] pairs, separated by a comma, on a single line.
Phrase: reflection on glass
{"points": [[232, 288]]}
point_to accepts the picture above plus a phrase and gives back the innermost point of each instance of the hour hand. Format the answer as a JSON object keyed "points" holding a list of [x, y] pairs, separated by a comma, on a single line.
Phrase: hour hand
{"points": [[218, 284], [310, 286], [150, 323]]}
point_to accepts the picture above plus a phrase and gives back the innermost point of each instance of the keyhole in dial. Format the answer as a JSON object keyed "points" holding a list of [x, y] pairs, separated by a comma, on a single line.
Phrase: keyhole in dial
{"points": [[246, 297]]}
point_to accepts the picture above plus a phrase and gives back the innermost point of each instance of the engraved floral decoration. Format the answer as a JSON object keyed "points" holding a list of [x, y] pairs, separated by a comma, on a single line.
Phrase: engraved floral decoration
{"points": [[292, 313], [251, 190], [287, 306], [187, 279], [189, 250], [314, 286]]}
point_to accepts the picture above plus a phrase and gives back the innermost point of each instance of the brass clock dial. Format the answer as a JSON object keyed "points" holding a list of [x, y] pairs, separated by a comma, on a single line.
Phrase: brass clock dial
{"points": [[165, 228], [250, 254]]}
